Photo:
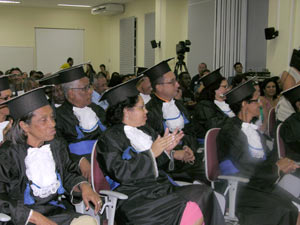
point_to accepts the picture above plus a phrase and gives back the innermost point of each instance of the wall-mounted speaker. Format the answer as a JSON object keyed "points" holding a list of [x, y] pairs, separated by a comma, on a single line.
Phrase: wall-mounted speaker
{"points": [[155, 44], [271, 33]]}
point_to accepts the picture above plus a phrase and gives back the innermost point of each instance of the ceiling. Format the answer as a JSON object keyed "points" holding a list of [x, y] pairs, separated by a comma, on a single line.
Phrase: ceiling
{"points": [[53, 3]]}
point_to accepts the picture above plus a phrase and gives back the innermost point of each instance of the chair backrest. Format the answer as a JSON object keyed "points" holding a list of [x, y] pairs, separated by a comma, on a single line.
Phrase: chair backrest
{"points": [[97, 177], [280, 143], [271, 122], [212, 169]]}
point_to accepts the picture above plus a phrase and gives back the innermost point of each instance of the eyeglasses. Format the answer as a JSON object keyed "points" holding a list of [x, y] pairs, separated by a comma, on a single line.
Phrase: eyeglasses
{"points": [[5, 98], [85, 89], [254, 100], [173, 82]]}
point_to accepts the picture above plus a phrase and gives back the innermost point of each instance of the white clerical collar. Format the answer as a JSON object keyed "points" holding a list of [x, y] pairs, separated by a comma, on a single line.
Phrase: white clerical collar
{"points": [[225, 108], [254, 142], [172, 116], [88, 120]]}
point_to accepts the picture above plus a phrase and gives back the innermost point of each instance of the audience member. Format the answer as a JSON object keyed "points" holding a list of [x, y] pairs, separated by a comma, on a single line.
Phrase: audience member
{"points": [[290, 128], [103, 70], [90, 72], [130, 154], [29, 84], [238, 67], [115, 79], [166, 112], [269, 99], [243, 151], [212, 110], [100, 86], [36, 170], [238, 79], [201, 67], [79, 121], [145, 89], [68, 64], [187, 92], [288, 79], [5, 94]]}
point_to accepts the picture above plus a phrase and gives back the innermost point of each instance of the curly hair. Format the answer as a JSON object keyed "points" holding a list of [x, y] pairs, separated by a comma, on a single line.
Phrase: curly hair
{"points": [[265, 83], [115, 113]]}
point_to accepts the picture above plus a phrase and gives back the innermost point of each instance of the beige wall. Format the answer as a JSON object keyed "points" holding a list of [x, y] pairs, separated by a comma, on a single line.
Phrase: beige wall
{"points": [[17, 27], [279, 50], [101, 32]]}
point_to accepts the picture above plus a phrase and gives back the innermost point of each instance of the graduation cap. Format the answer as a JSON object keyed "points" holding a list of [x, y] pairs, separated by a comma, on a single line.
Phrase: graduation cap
{"points": [[240, 92], [295, 60], [140, 70], [211, 78], [71, 74], [292, 94], [158, 70], [49, 80], [4, 83], [21, 105], [121, 91]]}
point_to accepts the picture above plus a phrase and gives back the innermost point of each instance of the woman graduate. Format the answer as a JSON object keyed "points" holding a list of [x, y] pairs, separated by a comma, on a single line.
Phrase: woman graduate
{"points": [[242, 150], [212, 110], [130, 154], [35, 167]]}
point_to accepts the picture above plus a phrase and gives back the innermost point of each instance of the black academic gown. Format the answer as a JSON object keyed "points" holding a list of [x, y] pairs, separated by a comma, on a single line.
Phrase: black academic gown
{"points": [[66, 123], [290, 133], [260, 201], [155, 120], [151, 200], [208, 115], [13, 176]]}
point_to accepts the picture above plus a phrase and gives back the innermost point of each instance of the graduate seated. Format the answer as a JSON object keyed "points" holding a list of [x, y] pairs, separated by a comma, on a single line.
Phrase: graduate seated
{"points": [[36, 170], [165, 111], [212, 110], [290, 128], [130, 154], [79, 121], [242, 150], [5, 94]]}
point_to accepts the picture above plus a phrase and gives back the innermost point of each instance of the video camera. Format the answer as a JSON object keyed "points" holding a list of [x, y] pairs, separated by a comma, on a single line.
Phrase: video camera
{"points": [[182, 47]]}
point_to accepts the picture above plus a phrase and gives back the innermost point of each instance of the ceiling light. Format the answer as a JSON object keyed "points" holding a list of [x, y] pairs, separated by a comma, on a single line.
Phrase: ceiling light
{"points": [[82, 6], [7, 1]]}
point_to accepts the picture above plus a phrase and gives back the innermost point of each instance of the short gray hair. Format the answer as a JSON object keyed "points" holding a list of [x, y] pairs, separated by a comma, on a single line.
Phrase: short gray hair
{"points": [[67, 86]]}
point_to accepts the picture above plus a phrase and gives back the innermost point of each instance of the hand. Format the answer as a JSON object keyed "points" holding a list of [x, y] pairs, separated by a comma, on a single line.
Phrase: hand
{"points": [[186, 155], [88, 195], [39, 219], [162, 143], [177, 136], [286, 165], [85, 168]]}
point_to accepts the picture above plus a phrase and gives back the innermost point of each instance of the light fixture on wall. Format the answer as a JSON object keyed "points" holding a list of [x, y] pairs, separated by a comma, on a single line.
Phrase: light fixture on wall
{"points": [[70, 5], [9, 2], [155, 44], [271, 33]]}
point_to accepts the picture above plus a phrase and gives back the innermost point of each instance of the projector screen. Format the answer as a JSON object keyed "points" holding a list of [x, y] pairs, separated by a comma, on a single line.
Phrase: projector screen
{"points": [[54, 46]]}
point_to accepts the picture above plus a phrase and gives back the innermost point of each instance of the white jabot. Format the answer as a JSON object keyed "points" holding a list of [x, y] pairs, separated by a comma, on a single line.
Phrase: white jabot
{"points": [[146, 98], [3, 125], [254, 142], [87, 118], [40, 169], [172, 115], [225, 108], [141, 142]]}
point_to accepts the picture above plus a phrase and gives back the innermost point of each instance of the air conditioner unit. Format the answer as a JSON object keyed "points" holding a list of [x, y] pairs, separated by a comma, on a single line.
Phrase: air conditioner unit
{"points": [[108, 9]]}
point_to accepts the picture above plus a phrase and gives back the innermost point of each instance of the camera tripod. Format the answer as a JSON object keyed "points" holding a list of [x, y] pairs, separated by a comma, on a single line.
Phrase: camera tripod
{"points": [[180, 65]]}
